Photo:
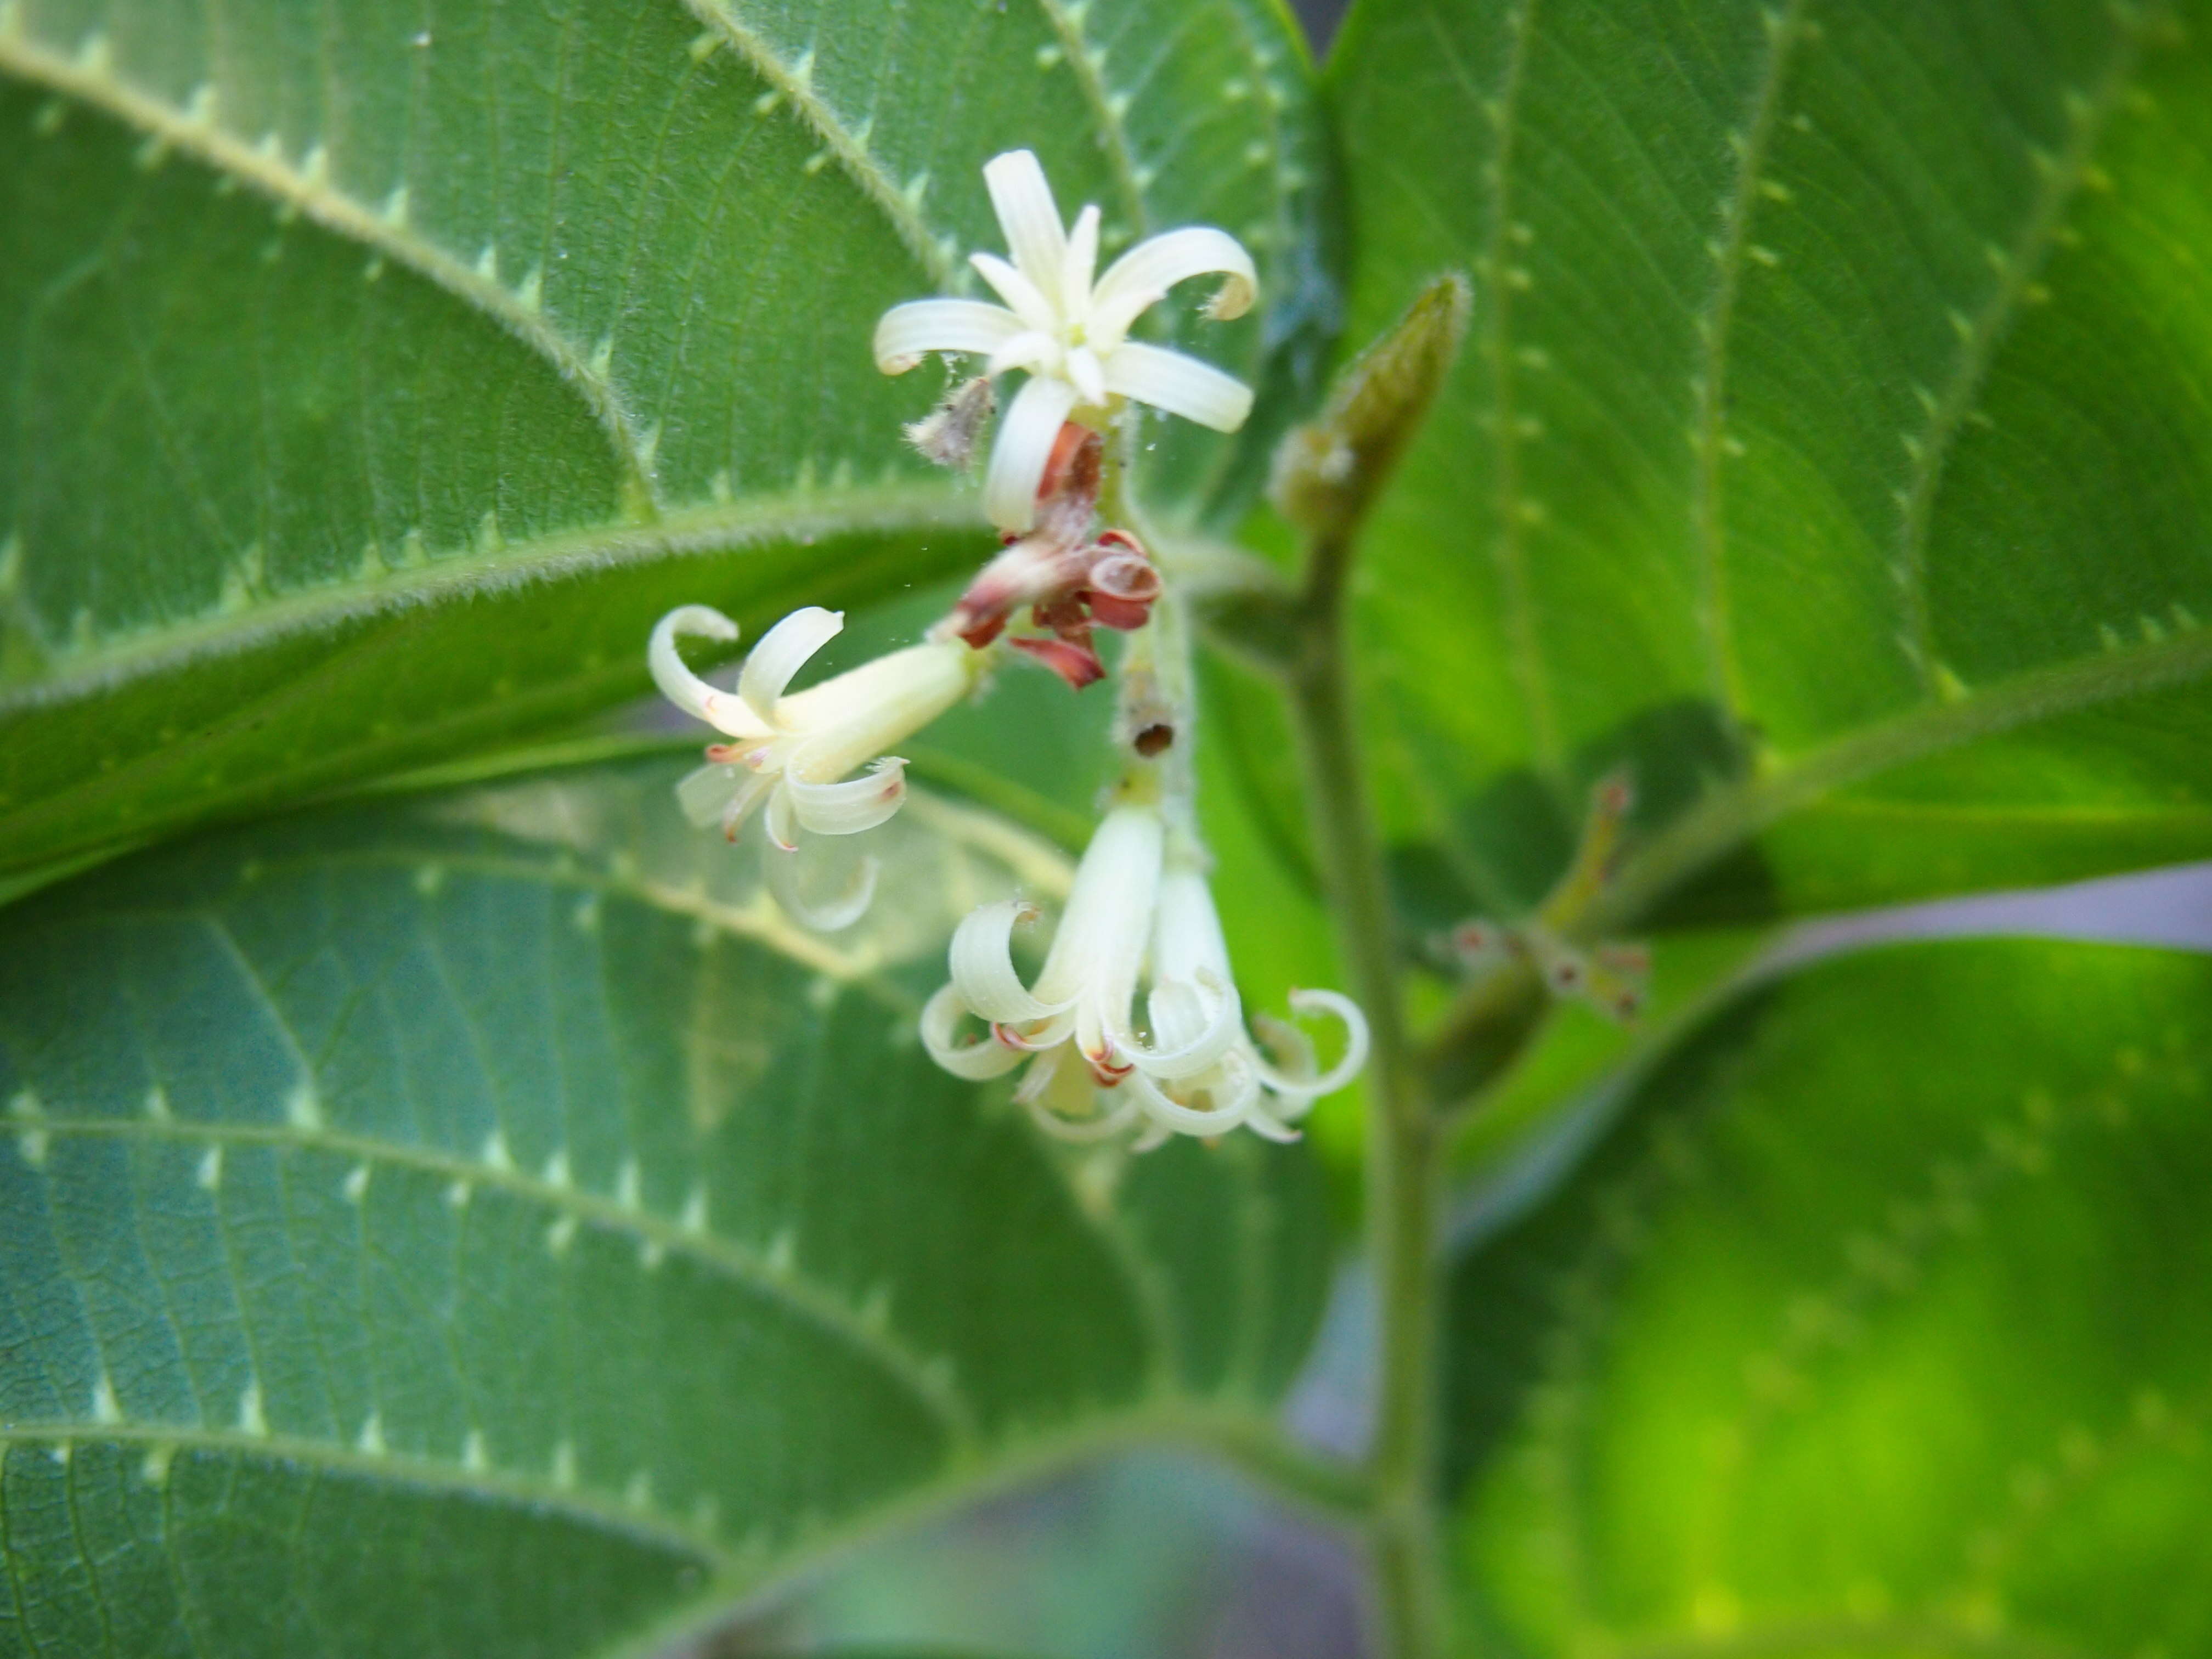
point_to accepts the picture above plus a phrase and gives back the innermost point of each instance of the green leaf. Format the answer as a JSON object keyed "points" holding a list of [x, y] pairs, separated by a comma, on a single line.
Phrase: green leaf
{"points": [[1830, 444], [481, 1225], [369, 381], [1879, 1324]]}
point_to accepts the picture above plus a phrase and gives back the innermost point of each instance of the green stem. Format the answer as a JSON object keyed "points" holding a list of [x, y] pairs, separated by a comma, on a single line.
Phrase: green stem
{"points": [[1402, 1175], [1333, 1492]]}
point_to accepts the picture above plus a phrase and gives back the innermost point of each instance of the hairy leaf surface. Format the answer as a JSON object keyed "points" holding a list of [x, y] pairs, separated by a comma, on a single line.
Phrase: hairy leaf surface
{"points": [[483, 1225], [1831, 445], [371, 376]]}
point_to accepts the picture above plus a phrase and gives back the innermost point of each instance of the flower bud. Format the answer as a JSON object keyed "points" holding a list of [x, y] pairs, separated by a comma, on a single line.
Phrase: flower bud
{"points": [[1328, 472]]}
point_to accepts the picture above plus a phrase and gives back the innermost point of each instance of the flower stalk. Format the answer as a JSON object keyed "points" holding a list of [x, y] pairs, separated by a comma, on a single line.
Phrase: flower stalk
{"points": [[1402, 1173], [1328, 475]]}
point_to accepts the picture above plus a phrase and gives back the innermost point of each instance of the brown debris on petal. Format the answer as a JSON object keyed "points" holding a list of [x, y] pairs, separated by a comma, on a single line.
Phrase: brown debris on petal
{"points": [[948, 435]]}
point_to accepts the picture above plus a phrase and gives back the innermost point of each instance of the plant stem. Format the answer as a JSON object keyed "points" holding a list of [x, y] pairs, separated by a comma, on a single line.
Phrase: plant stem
{"points": [[1402, 1176]]}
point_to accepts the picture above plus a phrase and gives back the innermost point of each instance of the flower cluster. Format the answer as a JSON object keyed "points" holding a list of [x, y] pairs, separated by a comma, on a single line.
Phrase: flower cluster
{"points": [[1136, 906], [1140, 920]]}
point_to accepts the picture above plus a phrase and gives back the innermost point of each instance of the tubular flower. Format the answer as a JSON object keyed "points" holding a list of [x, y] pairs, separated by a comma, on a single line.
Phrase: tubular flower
{"points": [[1069, 333], [1064, 1026], [1190, 964], [790, 754], [1091, 1074]]}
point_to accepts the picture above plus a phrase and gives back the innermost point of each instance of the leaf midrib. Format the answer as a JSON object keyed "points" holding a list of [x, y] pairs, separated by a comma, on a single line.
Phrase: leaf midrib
{"points": [[762, 520], [1731, 815]]}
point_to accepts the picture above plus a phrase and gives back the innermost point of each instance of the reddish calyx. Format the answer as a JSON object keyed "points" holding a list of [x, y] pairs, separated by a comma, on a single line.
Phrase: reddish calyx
{"points": [[1071, 581]]}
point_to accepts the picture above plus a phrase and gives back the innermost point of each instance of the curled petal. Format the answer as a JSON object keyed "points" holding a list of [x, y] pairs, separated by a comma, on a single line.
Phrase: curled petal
{"points": [[703, 795], [940, 1022], [781, 822], [1267, 1127], [782, 871], [1028, 301], [1062, 1100], [1122, 588], [1156, 1135], [982, 963], [1069, 489], [723, 795], [1027, 432], [909, 332], [1212, 1007], [1181, 386], [1141, 278], [1104, 1069], [783, 650], [1042, 1037], [1355, 1046], [1102, 1127], [848, 808], [1190, 1120], [1292, 1050], [1027, 213], [685, 689]]}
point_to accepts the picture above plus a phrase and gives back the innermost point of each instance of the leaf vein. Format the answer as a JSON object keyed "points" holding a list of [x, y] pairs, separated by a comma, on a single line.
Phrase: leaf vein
{"points": [[788, 515], [8, 1556], [87, 1559], [499, 1486], [1508, 541], [818, 1304], [796, 87], [1725, 817], [1112, 125], [336, 211], [1709, 414], [2062, 177]]}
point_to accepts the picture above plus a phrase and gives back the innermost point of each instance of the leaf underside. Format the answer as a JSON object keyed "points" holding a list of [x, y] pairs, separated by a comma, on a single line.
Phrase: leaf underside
{"points": [[492, 1195], [1879, 1325], [1830, 445]]}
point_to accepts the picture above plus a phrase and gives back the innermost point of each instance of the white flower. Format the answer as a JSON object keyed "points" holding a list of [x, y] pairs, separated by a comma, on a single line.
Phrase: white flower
{"points": [[1070, 334], [1188, 958], [1091, 1074], [792, 753]]}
